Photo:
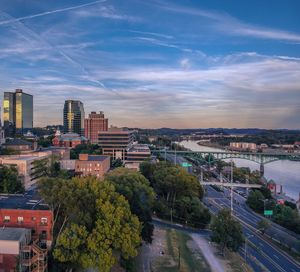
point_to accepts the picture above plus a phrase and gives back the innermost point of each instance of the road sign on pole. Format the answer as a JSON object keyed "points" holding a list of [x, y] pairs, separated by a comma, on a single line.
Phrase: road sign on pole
{"points": [[268, 212], [186, 164]]}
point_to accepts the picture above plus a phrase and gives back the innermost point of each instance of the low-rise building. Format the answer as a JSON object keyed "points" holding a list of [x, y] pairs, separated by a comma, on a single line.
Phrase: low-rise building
{"points": [[24, 165], [243, 146], [12, 241], [27, 211], [67, 164], [115, 141], [96, 165], [136, 154], [19, 145], [69, 140]]}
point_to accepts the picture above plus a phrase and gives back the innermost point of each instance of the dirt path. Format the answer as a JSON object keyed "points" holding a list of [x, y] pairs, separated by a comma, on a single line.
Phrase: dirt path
{"points": [[207, 250]]}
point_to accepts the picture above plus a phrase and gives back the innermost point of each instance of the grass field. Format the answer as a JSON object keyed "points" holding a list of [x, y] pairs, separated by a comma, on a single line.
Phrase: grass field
{"points": [[181, 255]]}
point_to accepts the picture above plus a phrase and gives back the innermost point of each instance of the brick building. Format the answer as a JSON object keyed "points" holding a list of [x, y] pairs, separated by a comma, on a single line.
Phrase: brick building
{"points": [[30, 215], [27, 211], [69, 140], [93, 124], [96, 165]]}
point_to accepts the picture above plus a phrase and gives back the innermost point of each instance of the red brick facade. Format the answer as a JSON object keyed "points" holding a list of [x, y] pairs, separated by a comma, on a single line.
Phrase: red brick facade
{"points": [[39, 221], [92, 125], [68, 140], [8, 262]]}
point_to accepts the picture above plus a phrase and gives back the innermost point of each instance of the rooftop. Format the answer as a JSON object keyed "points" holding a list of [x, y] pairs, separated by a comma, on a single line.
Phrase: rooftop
{"points": [[12, 234], [28, 201], [71, 136], [17, 142], [139, 148], [95, 158]]}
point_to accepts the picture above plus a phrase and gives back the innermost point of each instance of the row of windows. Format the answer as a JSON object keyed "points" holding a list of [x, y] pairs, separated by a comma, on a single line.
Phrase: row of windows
{"points": [[20, 219]]}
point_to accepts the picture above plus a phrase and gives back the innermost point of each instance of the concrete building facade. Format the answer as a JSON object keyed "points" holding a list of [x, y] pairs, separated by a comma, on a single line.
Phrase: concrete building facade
{"points": [[115, 141]]}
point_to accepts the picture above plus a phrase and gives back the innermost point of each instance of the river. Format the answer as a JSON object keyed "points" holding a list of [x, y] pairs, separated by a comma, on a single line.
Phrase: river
{"points": [[286, 173]]}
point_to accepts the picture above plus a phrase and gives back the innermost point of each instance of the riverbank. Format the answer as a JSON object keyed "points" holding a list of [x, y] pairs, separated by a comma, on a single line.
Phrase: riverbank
{"points": [[285, 173]]}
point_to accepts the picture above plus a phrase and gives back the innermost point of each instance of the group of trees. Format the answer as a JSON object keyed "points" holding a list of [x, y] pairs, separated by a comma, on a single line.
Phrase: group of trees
{"points": [[178, 193], [93, 224], [10, 182], [226, 231], [92, 149], [49, 167], [285, 215], [140, 196]]}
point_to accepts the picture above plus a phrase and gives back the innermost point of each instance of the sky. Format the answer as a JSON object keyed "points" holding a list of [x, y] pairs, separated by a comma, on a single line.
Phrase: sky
{"points": [[156, 63]]}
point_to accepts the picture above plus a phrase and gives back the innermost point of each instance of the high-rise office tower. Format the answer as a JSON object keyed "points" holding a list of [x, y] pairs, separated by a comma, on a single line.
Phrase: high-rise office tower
{"points": [[17, 112], [93, 124], [74, 117]]}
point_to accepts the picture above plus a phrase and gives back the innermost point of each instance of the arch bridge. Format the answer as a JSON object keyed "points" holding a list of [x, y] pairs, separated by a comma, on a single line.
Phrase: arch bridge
{"points": [[210, 156]]}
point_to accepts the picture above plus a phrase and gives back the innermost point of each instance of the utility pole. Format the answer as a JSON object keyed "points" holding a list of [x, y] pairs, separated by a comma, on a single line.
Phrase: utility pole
{"points": [[175, 154], [231, 191], [178, 258]]}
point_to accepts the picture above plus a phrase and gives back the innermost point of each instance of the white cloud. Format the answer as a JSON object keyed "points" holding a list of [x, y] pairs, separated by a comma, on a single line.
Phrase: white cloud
{"points": [[232, 26], [185, 63]]}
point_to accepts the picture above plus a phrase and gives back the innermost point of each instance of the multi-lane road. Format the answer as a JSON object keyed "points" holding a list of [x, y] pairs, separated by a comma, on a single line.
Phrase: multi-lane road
{"points": [[262, 254]]}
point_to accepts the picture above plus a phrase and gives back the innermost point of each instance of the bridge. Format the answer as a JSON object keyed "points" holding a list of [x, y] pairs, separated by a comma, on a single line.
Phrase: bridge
{"points": [[227, 184], [209, 156]]}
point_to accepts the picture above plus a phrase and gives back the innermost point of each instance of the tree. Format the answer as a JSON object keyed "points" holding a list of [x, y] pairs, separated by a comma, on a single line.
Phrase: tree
{"points": [[95, 224], [263, 225], [117, 163], [226, 231], [255, 201], [171, 182], [10, 183], [136, 189], [40, 168], [147, 169]]}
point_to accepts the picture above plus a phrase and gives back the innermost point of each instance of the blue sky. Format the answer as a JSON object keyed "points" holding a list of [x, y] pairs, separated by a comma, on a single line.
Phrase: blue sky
{"points": [[156, 63]]}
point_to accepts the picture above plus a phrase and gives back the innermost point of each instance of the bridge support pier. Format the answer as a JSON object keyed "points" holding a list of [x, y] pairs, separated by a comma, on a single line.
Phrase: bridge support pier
{"points": [[262, 169]]}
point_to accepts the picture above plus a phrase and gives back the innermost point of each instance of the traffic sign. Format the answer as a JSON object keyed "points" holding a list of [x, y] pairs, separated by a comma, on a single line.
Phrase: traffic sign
{"points": [[186, 164], [268, 212]]}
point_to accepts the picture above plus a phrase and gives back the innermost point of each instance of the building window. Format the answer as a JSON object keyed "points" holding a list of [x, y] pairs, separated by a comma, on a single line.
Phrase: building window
{"points": [[1, 258], [44, 220], [20, 219], [6, 218]]}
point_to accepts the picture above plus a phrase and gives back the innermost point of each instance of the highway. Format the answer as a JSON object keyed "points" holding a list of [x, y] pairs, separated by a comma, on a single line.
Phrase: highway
{"points": [[262, 254], [259, 248]]}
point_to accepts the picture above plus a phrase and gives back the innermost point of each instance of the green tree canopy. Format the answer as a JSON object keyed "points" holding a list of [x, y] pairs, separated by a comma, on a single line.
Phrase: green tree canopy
{"points": [[255, 201], [136, 189], [94, 223], [10, 183], [226, 231], [263, 225]]}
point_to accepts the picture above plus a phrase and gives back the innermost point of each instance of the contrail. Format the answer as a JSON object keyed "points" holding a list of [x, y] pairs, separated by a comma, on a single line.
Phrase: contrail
{"points": [[49, 12], [29, 34]]}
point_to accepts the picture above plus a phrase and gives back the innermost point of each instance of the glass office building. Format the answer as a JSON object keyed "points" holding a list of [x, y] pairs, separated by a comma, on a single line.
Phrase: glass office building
{"points": [[17, 112], [74, 117]]}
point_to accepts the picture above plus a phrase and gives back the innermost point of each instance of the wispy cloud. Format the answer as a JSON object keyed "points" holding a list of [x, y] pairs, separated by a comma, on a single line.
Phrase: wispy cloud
{"points": [[108, 12], [5, 22], [223, 22]]}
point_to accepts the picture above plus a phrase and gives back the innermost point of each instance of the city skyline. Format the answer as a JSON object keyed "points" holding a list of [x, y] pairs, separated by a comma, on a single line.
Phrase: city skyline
{"points": [[179, 64]]}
